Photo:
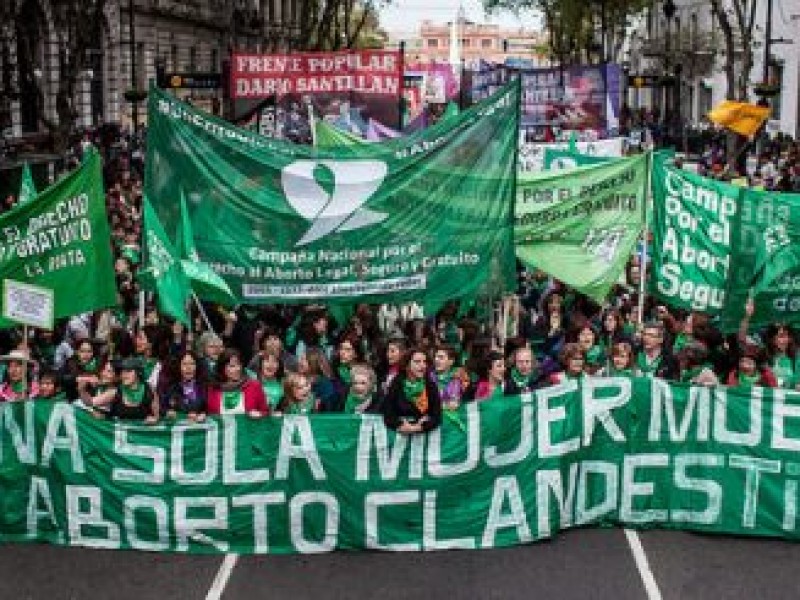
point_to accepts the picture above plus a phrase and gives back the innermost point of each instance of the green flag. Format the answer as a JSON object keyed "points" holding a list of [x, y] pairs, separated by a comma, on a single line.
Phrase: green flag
{"points": [[327, 135], [426, 217], [205, 282], [581, 225], [27, 188], [62, 242], [556, 159], [162, 268], [693, 221]]}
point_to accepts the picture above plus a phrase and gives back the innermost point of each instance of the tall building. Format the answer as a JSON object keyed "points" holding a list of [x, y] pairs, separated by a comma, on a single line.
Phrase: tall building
{"points": [[686, 54], [180, 35]]}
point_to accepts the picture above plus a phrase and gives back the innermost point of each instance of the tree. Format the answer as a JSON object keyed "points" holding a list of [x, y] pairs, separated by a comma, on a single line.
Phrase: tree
{"points": [[737, 21], [337, 24], [573, 25]]}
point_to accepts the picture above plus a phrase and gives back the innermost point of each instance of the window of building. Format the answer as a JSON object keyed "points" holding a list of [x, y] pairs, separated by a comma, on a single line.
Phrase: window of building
{"points": [[776, 77], [173, 58], [486, 43], [214, 60], [433, 43], [192, 59]]}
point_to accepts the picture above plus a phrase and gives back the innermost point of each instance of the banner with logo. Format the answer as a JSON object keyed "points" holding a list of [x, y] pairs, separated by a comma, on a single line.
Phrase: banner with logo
{"points": [[425, 217], [581, 225], [532, 155], [560, 160], [61, 238], [693, 222], [635, 453]]}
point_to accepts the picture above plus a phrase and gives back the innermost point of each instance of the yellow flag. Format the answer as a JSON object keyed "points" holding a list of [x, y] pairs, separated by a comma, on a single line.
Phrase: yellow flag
{"points": [[741, 117]]}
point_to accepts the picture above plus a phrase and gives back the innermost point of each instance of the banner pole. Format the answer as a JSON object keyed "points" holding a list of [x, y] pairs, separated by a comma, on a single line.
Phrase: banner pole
{"points": [[203, 313], [643, 265], [28, 354], [401, 98], [141, 308]]}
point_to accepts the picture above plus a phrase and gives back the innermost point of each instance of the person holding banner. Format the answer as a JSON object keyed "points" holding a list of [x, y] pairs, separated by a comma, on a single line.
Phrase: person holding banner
{"points": [[450, 381], [233, 392], [523, 377], [573, 360], [653, 358], [412, 404], [99, 392], [492, 378], [82, 366], [134, 400], [361, 394], [18, 382], [187, 395], [782, 355], [298, 399]]}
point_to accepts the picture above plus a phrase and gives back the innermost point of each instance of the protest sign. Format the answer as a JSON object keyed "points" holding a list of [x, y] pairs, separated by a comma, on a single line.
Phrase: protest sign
{"points": [[426, 217], [61, 241], [581, 225], [28, 304], [634, 453], [560, 160], [693, 219]]}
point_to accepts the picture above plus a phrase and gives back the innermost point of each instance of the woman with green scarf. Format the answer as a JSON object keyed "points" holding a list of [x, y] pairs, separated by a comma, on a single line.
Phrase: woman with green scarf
{"points": [[448, 378], [361, 394], [270, 374], [99, 392], [133, 399], [346, 354], [621, 361], [695, 368], [81, 366], [782, 356], [751, 370], [572, 359], [412, 404], [233, 392]]}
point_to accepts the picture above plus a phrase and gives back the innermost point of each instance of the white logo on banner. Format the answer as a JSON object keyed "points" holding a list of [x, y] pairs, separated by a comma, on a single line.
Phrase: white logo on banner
{"points": [[339, 208]]}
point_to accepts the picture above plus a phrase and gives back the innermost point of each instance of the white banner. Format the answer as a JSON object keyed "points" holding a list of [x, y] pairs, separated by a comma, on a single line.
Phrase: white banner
{"points": [[531, 155]]}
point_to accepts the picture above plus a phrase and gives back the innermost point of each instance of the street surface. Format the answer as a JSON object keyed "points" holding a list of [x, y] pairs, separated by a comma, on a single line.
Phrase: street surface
{"points": [[583, 564]]}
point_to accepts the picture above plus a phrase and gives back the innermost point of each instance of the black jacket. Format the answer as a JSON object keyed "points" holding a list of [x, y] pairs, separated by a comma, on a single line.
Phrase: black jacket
{"points": [[397, 408]]}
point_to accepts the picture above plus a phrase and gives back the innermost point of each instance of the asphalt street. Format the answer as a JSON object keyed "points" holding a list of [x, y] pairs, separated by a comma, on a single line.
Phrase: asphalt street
{"points": [[583, 564]]}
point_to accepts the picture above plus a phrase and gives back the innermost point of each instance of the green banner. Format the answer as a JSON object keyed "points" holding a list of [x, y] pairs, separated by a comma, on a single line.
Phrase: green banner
{"points": [[581, 226], [638, 453], [425, 217], [60, 240], [765, 255], [693, 220], [27, 188]]}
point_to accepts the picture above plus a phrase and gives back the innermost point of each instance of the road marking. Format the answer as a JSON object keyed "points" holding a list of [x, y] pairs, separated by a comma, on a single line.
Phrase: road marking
{"points": [[650, 585], [221, 580]]}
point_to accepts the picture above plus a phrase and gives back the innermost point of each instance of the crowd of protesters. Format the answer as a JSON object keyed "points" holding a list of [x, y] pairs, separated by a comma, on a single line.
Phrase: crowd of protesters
{"points": [[130, 362]]}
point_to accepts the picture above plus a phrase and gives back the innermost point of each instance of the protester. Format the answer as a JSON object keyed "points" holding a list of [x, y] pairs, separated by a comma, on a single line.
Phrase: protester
{"points": [[133, 399], [492, 378], [271, 371], [412, 404], [653, 359], [360, 396], [98, 392], [450, 381], [19, 382], [298, 398], [232, 392], [523, 376], [187, 392], [572, 359]]}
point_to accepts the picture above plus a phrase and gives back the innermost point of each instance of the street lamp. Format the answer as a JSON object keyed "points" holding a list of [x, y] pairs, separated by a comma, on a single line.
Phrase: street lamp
{"points": [[669, 9]]}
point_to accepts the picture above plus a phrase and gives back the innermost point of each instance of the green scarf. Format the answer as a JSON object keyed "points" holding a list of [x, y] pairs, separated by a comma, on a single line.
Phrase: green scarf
{"points": [[273, 390], [681, 341], [645, 367], [89, 367], [784, 370], [133, 395], [747, 380], [302, 408], [344, 374], [18, 387], [352, 402], [148, 364], [444, 379], [413, 389], [518, 378], [689, 374], [232, 398]]}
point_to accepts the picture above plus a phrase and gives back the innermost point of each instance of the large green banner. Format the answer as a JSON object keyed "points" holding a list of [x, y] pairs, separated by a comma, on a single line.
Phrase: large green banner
{"points": [[426, 217], [61, 240], [693, 220], [581, 225], [639, 453]]}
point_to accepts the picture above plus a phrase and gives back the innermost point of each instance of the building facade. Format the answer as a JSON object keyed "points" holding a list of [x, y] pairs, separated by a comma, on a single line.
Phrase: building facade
{"points": [[180, 35], [476, 41], [688, 53]]}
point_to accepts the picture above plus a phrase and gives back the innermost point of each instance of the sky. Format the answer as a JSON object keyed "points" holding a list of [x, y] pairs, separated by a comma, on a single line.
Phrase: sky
{"points": [[403, 17]]}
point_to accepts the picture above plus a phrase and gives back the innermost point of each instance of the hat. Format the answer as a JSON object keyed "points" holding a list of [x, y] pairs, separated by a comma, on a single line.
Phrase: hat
{"points": [[17, 356]]}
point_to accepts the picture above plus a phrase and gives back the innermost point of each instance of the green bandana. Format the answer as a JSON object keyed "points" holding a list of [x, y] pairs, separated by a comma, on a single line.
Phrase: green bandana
{"points": [[413, 389], [352, 402], [90, 367], [444, 379], [784, 370], [520, 379], [614, 372], [344, 374], [302, 408], [18, 387], [148, 364], [681, 341], [748, 380], [689, 374], [232, 399], [133, 396], [273, 390], [645, 367]]}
